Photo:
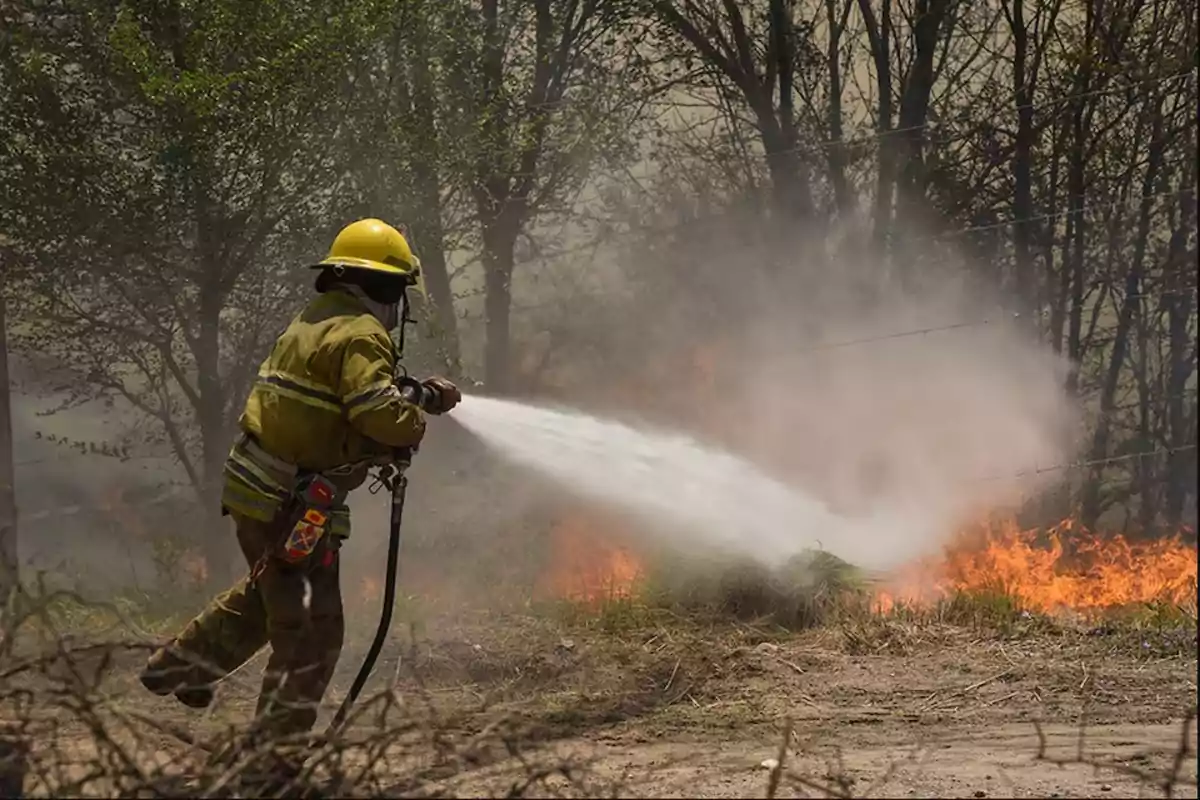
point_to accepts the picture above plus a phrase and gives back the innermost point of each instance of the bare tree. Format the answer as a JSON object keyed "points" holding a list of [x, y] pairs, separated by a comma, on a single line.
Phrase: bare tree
{"points": [[760, 57], [537, 94]]}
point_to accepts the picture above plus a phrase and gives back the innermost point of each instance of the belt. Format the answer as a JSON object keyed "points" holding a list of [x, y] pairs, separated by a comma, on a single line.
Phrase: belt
{"points": [[289, 471], [250, 444]]}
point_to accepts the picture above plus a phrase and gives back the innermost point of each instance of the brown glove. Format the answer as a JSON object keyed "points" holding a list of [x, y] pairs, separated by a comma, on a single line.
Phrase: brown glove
{"points": [[442, 395]]}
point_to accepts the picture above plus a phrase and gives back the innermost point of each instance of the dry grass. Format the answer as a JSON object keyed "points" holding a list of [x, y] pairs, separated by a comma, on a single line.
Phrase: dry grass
{"points": [[71, 730], [824, 592], [494, 695]]}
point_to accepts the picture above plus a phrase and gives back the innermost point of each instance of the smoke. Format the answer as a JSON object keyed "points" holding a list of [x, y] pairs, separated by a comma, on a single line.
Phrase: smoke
{"points": [[64, 497], [926, 430], [901, 413], [905, 412], [894, 417], [693, 496]]}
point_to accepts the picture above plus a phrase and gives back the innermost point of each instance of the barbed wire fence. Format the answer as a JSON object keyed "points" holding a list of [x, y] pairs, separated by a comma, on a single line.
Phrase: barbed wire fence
{"points": [[1153, 288], [181, 490]]}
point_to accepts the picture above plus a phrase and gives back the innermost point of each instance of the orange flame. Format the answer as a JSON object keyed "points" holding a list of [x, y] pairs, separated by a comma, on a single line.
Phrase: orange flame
{"points": [[1052, 570], [586, 565], [1047, 570]]}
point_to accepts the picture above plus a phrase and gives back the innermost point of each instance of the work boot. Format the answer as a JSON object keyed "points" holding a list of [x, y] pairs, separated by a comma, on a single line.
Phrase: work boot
{"points": [[167, 673]]}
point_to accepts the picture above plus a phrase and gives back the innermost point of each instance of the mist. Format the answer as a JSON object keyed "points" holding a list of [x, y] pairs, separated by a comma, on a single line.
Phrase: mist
{"points": [[870, 425], [919, 414]]}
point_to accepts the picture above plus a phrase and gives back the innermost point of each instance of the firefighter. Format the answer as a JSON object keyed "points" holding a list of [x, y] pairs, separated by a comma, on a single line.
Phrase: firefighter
{"points": [[325, 404]]}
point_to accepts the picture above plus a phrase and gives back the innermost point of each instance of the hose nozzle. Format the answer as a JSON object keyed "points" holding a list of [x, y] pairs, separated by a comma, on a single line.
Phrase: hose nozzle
{"points": [[413, 391]]}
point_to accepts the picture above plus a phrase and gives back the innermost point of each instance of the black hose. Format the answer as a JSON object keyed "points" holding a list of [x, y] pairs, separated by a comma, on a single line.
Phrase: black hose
{"points": [[414, 392], [399, 489]]}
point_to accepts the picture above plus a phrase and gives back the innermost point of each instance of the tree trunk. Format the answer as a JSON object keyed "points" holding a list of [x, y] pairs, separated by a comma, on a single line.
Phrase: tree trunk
{"points": [[1145, 468], [918, 88], [879, 36], [1073, 277], [789, 173], [1056, 278], [910, 141], [1181, 361], [843, 199], [493, 203], [1053, 293], [1022, 164], [215, 542], [427, 179], [9, 563], [498, 258], [431, 238]]}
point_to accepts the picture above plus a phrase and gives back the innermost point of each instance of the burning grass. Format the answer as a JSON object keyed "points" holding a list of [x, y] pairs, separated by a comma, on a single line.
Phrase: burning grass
{"points": [[612, 635], [993, 576], [1062, 569]]}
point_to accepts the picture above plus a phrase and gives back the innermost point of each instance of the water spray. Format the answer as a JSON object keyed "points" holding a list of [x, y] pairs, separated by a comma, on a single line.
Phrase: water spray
{"points": [[691, 495]]}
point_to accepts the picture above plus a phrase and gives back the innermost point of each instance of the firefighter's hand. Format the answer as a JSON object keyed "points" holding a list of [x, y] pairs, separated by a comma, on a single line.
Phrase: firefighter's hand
{"points": [[442, 395]]}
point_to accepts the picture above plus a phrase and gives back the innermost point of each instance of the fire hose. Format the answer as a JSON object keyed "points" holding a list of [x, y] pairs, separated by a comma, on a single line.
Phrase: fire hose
{"points": [[394, 477]]}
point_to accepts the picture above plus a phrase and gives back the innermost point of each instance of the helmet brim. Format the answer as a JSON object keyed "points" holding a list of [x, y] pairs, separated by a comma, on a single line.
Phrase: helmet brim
{"points": [[413, 277], [373, 266]]}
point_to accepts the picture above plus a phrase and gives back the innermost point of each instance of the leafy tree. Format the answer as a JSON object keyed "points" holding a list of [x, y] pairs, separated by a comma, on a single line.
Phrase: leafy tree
{"points": [[168, 167]]}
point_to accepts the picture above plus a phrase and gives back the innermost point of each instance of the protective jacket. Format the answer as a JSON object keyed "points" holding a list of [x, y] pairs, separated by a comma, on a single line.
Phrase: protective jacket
{"points": [[325, 401]]}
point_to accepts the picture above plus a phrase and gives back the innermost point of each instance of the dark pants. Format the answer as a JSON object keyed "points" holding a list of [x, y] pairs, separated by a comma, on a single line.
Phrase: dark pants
{"points": [[268, 606]]}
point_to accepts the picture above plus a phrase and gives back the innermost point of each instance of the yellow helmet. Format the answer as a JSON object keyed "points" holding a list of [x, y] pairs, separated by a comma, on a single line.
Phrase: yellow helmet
{"points": [[374, 245]]}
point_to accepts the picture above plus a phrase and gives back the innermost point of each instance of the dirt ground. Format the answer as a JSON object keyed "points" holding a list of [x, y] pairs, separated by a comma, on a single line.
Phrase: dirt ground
{"points": [[679, 709], [876, 710], [953, 715]]}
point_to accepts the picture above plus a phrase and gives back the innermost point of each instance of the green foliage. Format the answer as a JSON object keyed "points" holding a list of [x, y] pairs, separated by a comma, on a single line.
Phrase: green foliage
{"points": [[173, 165], [485, 130]]}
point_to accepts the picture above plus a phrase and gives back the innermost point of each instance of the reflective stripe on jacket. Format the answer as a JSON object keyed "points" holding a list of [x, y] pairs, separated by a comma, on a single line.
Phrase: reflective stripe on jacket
{"points": [[325, 398]]}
